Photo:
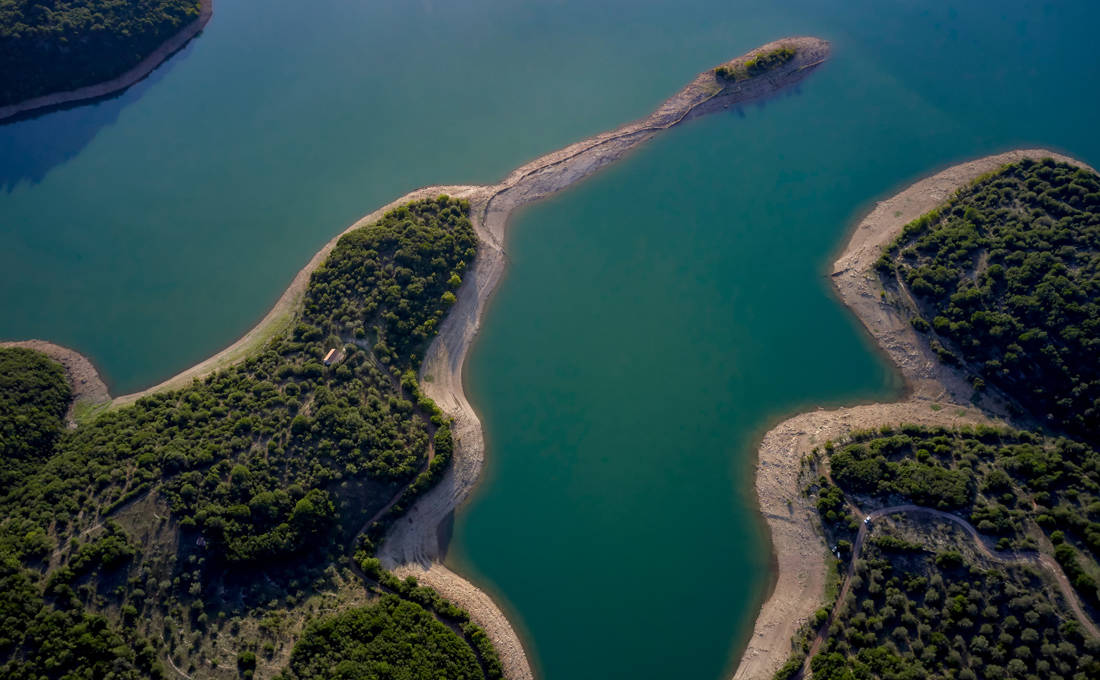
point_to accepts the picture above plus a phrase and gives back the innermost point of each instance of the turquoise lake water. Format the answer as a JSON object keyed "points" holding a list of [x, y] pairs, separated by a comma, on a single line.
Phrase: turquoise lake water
{"points": [[654, 321]]}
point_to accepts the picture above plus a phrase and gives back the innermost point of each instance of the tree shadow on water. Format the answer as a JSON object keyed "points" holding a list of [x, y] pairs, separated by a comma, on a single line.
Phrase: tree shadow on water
{"points": [[34, 143]]}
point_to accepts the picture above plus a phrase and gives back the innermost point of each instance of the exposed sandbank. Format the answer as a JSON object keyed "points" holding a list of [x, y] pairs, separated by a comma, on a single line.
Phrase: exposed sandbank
{"points": [[414, 544], [792, 521], [138, 72]]}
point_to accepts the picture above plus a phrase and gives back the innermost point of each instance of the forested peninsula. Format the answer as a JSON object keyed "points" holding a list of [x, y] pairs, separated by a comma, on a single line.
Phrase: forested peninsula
{"points": [[58, 51], [961, 526], [239, 520], [220, 514]]}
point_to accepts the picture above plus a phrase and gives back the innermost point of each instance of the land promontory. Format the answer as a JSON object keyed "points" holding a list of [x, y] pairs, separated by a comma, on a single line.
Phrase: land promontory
{"points": [[241, 517]]}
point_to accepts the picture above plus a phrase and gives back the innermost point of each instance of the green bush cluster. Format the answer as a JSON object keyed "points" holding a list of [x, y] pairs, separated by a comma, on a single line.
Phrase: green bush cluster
{"points": [[1007, 275], [761, 63], [919, 470], [918, 616], [391, 638], [51, 46], [389, 282], [34, 396], [410, 590]]}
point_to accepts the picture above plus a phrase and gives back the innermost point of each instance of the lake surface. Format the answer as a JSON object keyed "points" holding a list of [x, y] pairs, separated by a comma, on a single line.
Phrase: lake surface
{"points": [[654, 320]]}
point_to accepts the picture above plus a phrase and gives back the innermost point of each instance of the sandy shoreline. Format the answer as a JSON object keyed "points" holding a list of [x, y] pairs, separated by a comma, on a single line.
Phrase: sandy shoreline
{"points": [[415, 544], [797, 543], [138, 72]]}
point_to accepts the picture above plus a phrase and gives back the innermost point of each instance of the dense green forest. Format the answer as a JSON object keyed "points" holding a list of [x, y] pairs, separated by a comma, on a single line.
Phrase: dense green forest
{"points": [[51, 46], [1006, 276], [373, 642], [916, 611], [34, 396], [268, 467], [916, 614]]}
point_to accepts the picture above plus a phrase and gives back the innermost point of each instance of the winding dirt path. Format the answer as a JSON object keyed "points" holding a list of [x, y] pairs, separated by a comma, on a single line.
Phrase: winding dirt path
{"points": [[1022, 557], [1008, 557], [393, 501]]}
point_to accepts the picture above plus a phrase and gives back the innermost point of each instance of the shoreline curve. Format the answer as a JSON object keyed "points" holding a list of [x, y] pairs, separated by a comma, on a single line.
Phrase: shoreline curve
{"points": [[798, 546], [115, 85], [415, 544]]}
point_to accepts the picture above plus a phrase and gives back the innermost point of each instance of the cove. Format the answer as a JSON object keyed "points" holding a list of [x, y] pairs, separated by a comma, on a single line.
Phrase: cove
{"points": [[654, 320]]}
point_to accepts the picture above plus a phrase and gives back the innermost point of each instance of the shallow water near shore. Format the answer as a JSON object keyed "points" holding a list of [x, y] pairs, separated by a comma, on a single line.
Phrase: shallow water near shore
{"points": [[653, 320]]}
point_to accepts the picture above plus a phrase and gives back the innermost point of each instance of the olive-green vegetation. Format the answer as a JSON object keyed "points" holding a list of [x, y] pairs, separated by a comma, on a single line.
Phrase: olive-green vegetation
{"points": [[1006, 277], [761, 63], [45, 631], [1009, 484], [268, 467], [34, 396], [458, 619], [915, 614], [373, 642], [51, 46]]}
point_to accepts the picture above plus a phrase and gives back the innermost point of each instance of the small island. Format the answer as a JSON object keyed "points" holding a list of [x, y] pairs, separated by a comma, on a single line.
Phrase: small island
{"points": [[57, 53]]}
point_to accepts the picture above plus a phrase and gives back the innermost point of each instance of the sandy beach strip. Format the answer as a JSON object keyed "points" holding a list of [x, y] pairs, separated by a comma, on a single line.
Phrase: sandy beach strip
{"points": [[936, 395], [138, 72]]}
